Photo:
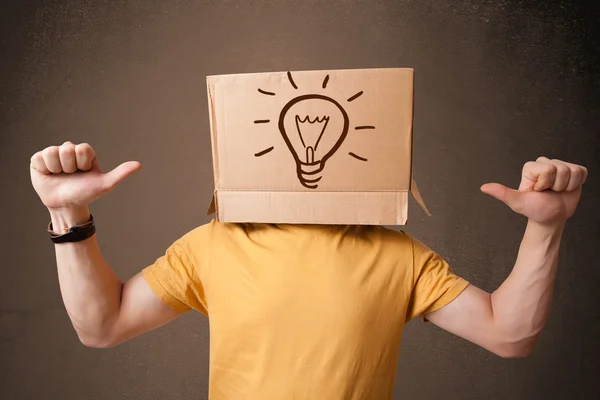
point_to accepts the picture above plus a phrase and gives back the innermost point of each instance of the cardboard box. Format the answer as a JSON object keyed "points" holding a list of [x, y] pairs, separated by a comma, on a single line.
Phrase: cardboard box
{"points": [[313, 147]]}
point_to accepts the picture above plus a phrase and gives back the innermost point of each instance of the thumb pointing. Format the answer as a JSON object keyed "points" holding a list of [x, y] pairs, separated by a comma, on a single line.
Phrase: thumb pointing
{"points": [[113, 178], [512, 198]]}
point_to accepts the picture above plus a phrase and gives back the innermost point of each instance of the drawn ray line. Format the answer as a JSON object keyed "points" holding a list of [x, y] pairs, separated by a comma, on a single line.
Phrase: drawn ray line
{"points": [[262, 121], [356, 96], [358, 128], [289, 75], [325, 81], [358, 157], [265, 92], [265, 151]]}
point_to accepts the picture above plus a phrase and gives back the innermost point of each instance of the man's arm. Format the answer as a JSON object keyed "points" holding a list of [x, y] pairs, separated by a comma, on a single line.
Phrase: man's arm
{"points": [[104, 311], [509, 321]]}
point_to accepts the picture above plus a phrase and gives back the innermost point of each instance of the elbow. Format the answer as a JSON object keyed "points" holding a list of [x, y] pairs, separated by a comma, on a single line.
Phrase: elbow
{"points": [[512, 350], [97, 341], [97, 344], [512, 353], [103, 335]]}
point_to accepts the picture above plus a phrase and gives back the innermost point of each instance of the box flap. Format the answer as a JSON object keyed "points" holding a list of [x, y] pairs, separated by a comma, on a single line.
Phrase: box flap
{"points": [[414, 190], [328, 208], [212, 208]]}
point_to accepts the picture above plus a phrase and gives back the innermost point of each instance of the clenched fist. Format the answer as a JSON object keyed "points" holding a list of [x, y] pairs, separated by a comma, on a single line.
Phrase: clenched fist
{"points": [[69, 177], [549, 191]]}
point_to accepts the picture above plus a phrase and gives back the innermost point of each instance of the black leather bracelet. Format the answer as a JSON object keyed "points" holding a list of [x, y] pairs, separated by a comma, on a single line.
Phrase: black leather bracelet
{"points": [[75, 233]]}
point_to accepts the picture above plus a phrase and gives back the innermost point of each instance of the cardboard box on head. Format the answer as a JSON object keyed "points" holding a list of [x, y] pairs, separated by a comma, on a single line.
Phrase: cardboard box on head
{"points": [[313, 147]]}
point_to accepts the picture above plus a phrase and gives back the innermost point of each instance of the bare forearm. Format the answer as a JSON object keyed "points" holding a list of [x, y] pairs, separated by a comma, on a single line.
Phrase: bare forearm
{"points": [[90, 289], [522, 303]]}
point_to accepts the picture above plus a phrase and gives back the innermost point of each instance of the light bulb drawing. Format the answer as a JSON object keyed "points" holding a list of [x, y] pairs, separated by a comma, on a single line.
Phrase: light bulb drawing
{"points": [[312, 137]]}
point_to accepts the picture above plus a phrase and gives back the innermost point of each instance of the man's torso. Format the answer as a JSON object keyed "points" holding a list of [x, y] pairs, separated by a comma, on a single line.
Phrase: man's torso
{"points": [[299, 312]]}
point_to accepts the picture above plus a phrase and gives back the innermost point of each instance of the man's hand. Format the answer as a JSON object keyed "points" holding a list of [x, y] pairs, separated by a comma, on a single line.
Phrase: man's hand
{"points": [[549, 191], [69, 177]]}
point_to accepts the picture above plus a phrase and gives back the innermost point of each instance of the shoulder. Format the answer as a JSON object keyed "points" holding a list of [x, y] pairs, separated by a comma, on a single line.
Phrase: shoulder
{"points": [[201, 232], [209, 231], [407, 244], [385, 242], [394, 237], [194, 246]]}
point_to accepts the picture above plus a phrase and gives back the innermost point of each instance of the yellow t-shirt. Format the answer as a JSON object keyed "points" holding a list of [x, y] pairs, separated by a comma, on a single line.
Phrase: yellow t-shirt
{"points": [[302, 312]]}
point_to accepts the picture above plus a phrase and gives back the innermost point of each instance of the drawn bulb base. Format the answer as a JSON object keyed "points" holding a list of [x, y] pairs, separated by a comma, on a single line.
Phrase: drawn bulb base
{"points": [[310, 174]]}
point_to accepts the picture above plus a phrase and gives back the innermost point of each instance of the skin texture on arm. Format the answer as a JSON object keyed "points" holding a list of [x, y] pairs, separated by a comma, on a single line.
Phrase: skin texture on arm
{"points": [[509, 321], [103, 310]]}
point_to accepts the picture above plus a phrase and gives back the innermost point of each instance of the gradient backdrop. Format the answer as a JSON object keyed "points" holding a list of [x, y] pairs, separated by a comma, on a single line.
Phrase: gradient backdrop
{"points": [[498, 83]]}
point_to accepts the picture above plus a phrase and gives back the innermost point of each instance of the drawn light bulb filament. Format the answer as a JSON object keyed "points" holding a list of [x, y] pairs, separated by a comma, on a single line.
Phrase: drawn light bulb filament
{"points": [[310, 132]]}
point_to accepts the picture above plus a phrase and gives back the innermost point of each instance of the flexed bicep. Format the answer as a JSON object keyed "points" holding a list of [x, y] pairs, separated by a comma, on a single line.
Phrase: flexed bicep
{"points": [[141, 311]]}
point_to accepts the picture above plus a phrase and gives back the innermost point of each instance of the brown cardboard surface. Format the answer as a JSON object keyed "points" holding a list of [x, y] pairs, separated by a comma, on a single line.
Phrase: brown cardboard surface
{"points": [[324, 147], [321, 207]]}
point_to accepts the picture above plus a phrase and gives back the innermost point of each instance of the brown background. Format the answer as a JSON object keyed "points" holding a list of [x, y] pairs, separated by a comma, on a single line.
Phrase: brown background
{"points": [[497, 84]]}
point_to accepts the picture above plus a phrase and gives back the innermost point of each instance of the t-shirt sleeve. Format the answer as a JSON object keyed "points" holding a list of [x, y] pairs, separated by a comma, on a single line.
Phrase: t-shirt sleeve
{"points": [[434, 285], [175, 277]]}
